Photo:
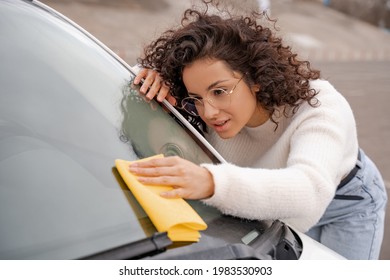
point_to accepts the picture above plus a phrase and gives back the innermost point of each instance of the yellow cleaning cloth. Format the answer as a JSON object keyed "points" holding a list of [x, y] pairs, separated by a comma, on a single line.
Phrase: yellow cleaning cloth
{"points": [[173, 215]]}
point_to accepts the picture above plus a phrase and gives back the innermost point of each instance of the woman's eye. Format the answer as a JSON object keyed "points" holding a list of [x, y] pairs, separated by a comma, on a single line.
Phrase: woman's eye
{"points": [[218, 91]]}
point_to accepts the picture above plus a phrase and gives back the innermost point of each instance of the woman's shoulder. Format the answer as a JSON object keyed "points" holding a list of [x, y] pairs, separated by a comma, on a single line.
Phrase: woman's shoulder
{"points": [[327, 93], [322, 86], [331, 105]]}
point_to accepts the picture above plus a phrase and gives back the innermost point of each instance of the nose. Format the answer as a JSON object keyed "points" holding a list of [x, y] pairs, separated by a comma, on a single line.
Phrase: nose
{"points": [[209, 111]]}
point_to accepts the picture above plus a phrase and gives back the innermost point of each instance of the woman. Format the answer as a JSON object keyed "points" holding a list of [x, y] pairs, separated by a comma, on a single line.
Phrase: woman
{"points": [[289, 137]]}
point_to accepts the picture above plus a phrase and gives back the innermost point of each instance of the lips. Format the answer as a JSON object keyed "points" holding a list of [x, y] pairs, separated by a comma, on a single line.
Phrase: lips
{"points": [[220, 126], [220, 123]]}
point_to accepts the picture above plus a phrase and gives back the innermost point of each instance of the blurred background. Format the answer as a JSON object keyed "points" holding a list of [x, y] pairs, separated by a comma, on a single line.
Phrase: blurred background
{"points": [[348, 40]]}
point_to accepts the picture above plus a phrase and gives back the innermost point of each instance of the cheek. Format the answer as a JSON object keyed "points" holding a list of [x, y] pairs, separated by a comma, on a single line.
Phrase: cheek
{"points": [[245, 107]]}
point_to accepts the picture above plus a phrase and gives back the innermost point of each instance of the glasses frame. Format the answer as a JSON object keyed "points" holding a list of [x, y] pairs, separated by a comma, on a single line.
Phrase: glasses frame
{"points": [[195, 111]]}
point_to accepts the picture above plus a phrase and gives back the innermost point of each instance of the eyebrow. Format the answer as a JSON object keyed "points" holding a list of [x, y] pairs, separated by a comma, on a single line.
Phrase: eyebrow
{"points": [[210, 86], [216, 83]]}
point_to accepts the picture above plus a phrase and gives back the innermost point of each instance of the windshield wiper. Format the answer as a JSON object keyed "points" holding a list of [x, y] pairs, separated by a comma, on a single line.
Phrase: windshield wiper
{"points": [[149, 246], [278, 242]]}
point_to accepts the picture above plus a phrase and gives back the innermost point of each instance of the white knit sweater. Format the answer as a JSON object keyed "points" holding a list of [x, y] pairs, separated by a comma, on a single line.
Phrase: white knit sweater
{"points": [[291, 173]]}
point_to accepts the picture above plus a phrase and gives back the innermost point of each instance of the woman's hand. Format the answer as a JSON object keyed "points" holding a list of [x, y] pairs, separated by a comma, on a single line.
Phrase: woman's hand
{"points": [[153, 85], [189, 180]]}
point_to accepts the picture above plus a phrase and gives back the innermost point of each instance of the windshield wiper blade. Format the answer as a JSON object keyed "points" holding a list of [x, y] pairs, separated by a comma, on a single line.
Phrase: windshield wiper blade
{"points": [[155, 244]]}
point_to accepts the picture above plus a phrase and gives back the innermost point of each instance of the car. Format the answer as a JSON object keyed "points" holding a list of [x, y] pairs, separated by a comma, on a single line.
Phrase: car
{"points": [[68, 110]]}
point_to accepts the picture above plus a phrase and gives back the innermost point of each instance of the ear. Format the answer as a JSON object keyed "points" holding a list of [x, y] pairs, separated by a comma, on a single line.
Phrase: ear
{"points": [[255, 88]]}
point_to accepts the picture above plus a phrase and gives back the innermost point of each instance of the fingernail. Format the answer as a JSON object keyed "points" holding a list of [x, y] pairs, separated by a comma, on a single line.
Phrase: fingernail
{"points": [[133, 169], [141, 179]]}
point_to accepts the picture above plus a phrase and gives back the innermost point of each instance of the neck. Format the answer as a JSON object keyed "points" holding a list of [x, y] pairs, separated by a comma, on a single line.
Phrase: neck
{"points": [[259, 117]]}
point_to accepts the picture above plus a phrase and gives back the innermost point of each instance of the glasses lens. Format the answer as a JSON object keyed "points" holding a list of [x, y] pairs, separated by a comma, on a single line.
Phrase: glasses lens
{"points": [[188, 104], [219, 98]]}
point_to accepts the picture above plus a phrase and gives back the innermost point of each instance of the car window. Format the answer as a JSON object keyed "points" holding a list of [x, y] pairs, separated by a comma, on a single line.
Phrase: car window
{"points": [[67, 111]]}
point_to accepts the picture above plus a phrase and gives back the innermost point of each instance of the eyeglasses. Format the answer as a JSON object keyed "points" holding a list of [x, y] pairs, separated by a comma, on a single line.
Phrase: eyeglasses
{"points": [[216, 97]]}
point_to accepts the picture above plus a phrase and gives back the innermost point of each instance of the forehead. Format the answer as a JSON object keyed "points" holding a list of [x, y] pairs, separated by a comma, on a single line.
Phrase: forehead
{"points": [[206, 71]]}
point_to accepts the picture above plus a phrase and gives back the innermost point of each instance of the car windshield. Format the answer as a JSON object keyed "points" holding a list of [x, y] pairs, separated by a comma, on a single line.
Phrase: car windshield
{"points": [[67, 111]]}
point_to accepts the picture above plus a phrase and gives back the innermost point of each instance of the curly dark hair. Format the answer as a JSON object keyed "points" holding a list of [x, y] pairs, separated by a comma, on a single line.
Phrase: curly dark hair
{"points": [[245, 45]]}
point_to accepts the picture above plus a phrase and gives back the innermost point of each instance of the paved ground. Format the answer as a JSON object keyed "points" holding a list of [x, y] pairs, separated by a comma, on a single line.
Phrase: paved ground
{"points": [[353, 55]]}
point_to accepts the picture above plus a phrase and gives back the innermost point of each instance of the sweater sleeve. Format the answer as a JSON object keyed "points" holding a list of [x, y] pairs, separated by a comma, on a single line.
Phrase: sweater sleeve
{"points": [[299, 192]]}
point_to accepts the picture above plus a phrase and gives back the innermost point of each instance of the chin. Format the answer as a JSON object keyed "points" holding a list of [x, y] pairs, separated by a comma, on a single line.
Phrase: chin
{"points": [[227, 135]]}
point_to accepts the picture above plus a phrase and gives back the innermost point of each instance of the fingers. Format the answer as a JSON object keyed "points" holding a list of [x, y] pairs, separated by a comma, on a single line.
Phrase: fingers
{"points": [[157, 162], [171, 100], [153, 85], [163, 92], [153, 172], [161, 180], [189, 180], [175, 193], [158, 172], [141, 74]]}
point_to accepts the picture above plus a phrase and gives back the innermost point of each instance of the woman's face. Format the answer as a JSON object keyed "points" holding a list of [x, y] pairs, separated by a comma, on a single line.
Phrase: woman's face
{"points": [[204, 78]]}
